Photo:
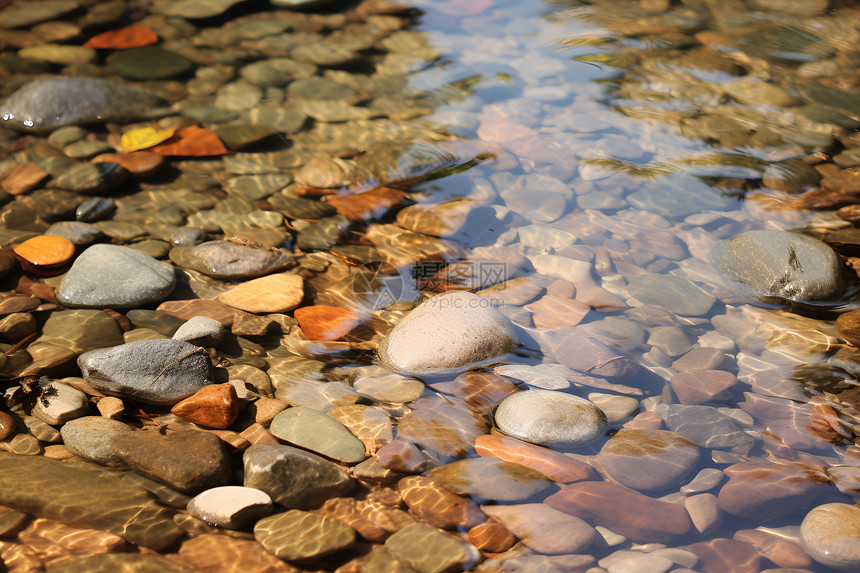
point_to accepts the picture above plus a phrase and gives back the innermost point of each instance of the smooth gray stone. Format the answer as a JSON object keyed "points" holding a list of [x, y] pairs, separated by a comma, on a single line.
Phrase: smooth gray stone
{"points": [[201, 331], [89, 438], [50, 103], [159, 372], [113, 276], [294, 478], [81, 234], [549, 418], [447, 331], [781, 265]]}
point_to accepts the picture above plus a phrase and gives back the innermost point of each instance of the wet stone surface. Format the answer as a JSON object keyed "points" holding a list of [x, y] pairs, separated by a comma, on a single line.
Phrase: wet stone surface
{"points": [[462, 285]]}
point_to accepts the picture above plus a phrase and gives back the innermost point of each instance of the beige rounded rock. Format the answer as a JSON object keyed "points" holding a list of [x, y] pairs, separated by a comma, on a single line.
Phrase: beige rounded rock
{"points": [[549, 418], [830, 533], [447, 331]]}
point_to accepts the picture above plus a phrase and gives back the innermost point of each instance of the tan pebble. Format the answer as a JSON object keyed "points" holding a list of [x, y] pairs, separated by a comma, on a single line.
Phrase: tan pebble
{"points": [[111, 407], [58, 452], [492, 537]]}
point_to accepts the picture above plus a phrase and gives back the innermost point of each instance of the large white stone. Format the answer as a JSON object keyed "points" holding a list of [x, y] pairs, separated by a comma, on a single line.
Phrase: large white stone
{"points": [[445, 332], [549, 418]]}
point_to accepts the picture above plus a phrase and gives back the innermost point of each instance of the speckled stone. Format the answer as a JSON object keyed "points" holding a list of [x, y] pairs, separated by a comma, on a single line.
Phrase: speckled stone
{"points": [[831, 535]]}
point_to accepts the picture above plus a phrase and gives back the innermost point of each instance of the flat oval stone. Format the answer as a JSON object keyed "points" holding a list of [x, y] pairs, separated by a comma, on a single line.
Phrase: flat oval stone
{"points": [[46, 251], [200, 331], [230, 506], [781, 265], [831, 535], [447, 331], [149, 63], [81, 234], [669, 291], [114, 276], [54, 102], [281, 292], [153, 371], [188, 461], [544, 529], [549, 418], [318, 432], [490, 479], [300, 535], [624, 511], [648, 460], [227, 260], [89, 437]]}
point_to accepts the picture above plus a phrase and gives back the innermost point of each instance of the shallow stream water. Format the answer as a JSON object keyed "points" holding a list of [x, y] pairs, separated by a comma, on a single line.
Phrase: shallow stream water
{"points": [[582, 166]]}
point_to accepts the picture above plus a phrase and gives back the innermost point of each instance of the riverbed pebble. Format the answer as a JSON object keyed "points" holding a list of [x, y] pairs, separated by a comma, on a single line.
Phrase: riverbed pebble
{"points": [[447, 331], [549, 418]]}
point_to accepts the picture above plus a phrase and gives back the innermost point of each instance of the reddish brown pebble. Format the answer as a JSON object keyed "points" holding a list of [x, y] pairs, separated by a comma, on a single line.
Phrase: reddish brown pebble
{"points": [[22, 178], [28, 287], [215, 406], [45, 254], [491, 537], [402, 456], [111, 407], [774, 548], [554, 465], [371, 204], [700, 385], [438, 506], [721, 555], [7, 425], [629, 513], [322, 322], [764, 490], [124, 323], [17, 326]]}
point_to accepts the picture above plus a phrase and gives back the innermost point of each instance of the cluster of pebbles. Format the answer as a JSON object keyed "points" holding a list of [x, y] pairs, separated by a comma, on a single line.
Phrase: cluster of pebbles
{"points": [[282, 292]]}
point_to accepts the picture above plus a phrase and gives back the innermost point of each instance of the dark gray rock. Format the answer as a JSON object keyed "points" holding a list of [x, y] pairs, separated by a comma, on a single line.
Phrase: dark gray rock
{"points": [[159, 372], [294, 478], [781, 265], [113, 276], [50, 103]]}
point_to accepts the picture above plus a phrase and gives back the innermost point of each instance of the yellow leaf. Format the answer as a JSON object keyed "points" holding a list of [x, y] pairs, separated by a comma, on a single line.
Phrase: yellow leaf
{"points": [[144, 138]]}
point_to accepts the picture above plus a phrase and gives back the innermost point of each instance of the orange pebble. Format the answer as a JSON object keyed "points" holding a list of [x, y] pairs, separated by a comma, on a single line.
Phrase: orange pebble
{"points": [[322, 322], [45, 254]]}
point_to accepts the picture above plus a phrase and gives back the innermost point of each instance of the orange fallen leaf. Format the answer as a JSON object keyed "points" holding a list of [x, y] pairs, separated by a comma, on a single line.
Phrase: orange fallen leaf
{"points": [[322, 322], [128, 37], [144, 138], [192, 141]]}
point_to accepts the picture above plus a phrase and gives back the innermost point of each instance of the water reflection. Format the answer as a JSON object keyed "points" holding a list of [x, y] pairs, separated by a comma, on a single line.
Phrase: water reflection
{"points": [[574, 163]]}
